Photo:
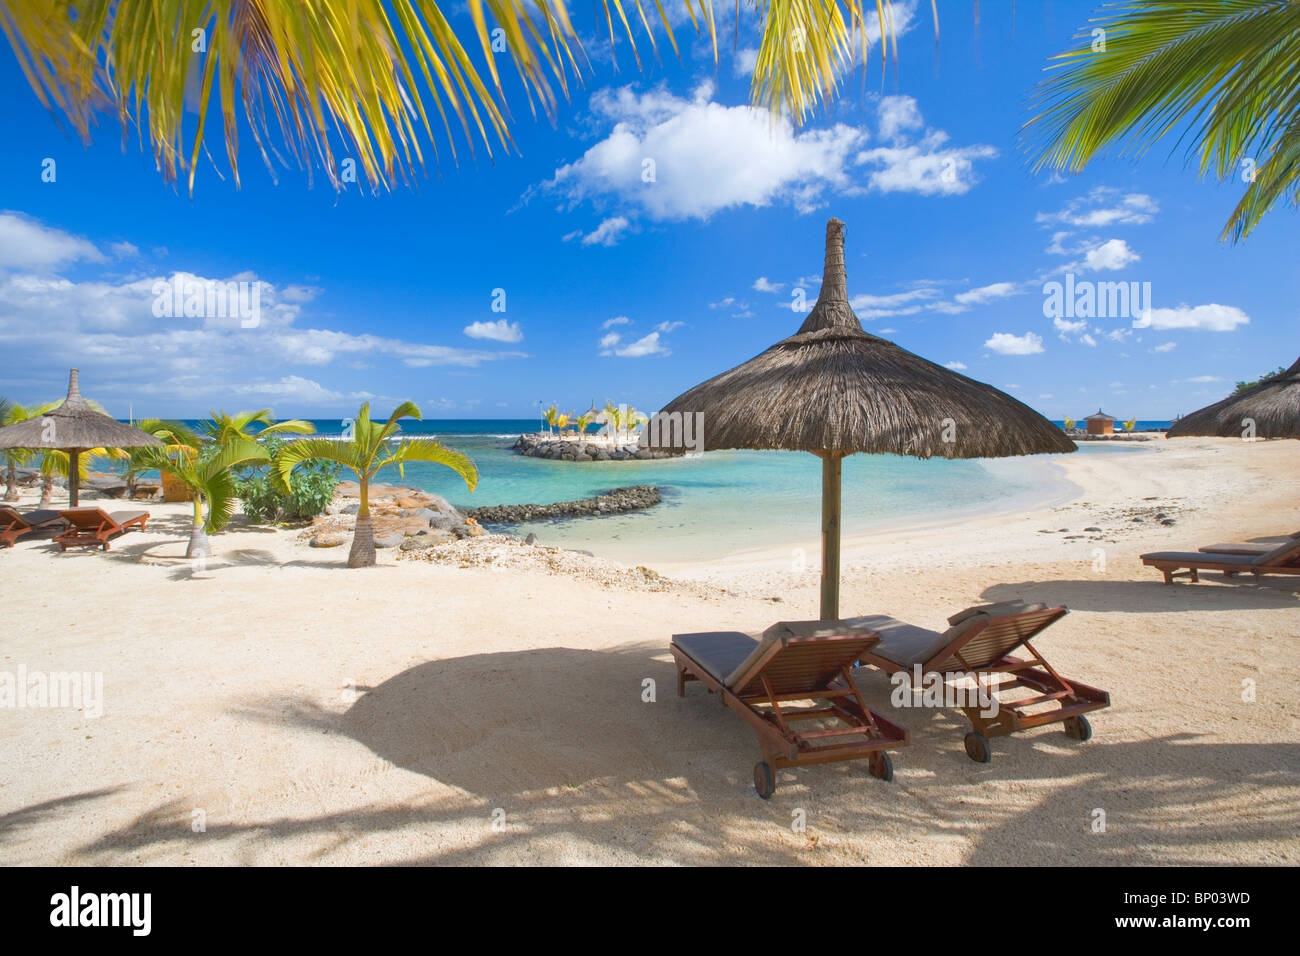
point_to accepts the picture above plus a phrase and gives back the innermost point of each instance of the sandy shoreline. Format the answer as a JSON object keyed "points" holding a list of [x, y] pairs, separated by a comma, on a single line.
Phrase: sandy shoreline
{"points": [[306, 713]]}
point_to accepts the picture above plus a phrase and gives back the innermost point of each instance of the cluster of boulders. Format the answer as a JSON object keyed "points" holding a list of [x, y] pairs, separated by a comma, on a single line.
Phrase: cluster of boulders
{"points": [[400, 517], [593, 449], [616, 501]]}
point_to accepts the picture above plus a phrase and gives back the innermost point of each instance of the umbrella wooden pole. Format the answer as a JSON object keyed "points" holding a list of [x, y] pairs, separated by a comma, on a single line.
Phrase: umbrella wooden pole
{"points": [[74, 466], [830, 609]]}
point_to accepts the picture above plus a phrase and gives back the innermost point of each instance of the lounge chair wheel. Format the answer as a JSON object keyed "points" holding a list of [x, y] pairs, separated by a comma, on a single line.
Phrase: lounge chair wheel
{"points": [[977, 747], [882, 767], [764, 779], [1078, 728]]}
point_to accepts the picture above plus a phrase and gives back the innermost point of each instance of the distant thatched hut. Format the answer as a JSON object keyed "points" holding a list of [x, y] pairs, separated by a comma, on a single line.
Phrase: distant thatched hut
{"points": [[1100, 424]]}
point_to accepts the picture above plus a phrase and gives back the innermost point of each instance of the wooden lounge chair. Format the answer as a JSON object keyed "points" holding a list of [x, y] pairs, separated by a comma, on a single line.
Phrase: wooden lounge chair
{"points": [[979, 643], [94, 526], [14, 525], [1284, 559], [766, 681], [1246, 547]]}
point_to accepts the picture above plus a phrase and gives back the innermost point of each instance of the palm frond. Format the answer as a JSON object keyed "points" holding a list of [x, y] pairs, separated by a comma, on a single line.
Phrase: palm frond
{"points": [[426, 449], [370, 73], [1223, 73], [304, 449]]}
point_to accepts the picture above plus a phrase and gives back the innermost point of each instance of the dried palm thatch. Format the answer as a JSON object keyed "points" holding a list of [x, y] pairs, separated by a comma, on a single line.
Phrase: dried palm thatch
{"points": [[1273, 405], [834, 390], [74, 426]]}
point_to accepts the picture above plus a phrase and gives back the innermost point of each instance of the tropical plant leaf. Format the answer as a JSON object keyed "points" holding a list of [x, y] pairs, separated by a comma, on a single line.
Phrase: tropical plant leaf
{"points": [[1223, 73], [331, 75], [426, 449], [295, 453]]}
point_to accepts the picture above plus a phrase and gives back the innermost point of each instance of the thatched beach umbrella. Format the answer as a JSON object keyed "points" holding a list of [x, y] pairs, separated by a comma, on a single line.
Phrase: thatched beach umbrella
{"points": [[1270, 409], [73, 427], [834, 390]]}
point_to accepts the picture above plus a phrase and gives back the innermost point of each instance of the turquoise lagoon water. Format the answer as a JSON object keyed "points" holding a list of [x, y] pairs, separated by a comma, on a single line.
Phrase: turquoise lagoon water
{"points": [[726, 502]]}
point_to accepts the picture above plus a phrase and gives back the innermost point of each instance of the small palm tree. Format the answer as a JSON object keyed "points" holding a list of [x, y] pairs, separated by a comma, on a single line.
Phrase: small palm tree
{"points": [[13, 457], [1069, 423], [562, 422], [581, 423], [180, 443], [551, 415], [614, 418], [209, 474], [372, 448], [1130, 424]]}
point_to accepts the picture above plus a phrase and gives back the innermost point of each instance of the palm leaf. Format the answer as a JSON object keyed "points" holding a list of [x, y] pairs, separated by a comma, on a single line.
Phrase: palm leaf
{"points": [[1223, 73], [297, 452], [426, 449], [328, 70]]}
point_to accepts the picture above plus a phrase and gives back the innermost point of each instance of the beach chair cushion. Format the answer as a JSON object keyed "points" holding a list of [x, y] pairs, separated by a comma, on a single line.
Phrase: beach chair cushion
{"points": [[718, 652], [32, 518], [904, 644], [1194, 559], [1286, 553]]}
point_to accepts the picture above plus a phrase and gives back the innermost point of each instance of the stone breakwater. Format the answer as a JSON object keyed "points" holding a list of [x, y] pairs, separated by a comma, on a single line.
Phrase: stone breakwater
{"points": [[616, 501], [595, 449]]}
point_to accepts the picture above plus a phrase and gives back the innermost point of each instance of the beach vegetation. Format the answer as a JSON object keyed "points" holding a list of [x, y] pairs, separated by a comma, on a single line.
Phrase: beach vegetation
{"points": [[208, 472], [311, 488], [1242, 386], [373, 447]]}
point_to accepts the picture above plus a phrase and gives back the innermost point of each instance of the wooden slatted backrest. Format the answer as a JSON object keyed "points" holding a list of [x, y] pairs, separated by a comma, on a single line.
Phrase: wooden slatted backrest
{"points": [[981, 646], [1284, 555], [88, 519], [798, 664]]}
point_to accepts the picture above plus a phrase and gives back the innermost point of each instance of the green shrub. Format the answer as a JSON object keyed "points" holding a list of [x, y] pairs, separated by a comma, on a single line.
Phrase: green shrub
{"points": [[311, 490]]}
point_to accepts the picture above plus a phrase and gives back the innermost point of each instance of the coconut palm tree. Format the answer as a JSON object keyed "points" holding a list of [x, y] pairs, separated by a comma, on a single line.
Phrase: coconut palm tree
{"points": [[551, 416], [209, 474], [581, 422], [180, 443], [562, 422], [1222, 72], [371, 449]]}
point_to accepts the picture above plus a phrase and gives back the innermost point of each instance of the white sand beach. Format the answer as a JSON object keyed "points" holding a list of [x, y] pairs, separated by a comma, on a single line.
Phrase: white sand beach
{"points": [[276, 707]]}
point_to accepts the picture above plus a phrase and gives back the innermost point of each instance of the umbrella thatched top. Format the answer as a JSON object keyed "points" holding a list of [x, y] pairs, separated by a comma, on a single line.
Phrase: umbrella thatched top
{"points": [[1273, 405], [832, 388], [73, 426]]}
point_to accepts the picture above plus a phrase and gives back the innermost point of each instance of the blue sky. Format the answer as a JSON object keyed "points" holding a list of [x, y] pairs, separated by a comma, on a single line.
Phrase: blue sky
{"points": [[617, 288]]}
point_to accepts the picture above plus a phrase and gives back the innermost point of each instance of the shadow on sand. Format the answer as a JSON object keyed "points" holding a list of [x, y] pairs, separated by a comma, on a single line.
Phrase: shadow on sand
{"points": [[561, 740]]}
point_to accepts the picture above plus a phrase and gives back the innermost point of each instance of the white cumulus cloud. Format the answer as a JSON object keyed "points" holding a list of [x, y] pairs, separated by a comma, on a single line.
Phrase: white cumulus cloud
{"points": [[1004, 343], [498, 331]]}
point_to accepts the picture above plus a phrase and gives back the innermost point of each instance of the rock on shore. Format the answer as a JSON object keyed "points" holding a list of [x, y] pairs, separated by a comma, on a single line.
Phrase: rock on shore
{"points": [[617, 501], [401, 518], [562, 449]]}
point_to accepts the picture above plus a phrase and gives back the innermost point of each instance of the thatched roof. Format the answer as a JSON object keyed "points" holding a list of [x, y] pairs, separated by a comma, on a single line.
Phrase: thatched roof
{"points": [[74, 425], [833, 388], [1273, 404]]}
